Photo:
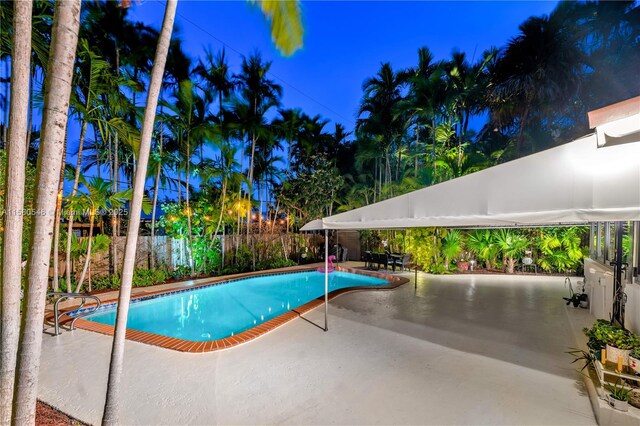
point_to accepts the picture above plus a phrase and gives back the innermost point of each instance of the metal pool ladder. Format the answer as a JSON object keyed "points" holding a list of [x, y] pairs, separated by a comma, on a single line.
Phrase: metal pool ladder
{"points": [[64, 296]]}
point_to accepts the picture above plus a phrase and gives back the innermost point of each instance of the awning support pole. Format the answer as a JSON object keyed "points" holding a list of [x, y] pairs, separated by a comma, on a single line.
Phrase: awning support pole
{"points": [[618, 288], [326, 278]]}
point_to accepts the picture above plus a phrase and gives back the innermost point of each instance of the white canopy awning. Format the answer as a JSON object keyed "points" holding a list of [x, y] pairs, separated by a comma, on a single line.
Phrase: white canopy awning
{"points": [[572, 183], [314, 225]]}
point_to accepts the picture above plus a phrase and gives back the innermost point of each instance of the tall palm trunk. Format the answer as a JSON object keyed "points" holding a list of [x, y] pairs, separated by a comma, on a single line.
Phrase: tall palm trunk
{"points": [[186, 199], [112, 403], [223, 196], [74, 191], [10, 279], [64, 39], [87, 258], [56, 229], [250, 182], [156, 186], [115, 221]]}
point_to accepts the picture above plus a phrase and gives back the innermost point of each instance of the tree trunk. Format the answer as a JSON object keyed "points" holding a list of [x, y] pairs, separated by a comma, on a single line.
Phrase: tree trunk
{"points": [[250, 183], [112, 403], [186, 199], [156, 185], [10, 279], [87, 259], [224, 195], [54, 122], [74, 191]]}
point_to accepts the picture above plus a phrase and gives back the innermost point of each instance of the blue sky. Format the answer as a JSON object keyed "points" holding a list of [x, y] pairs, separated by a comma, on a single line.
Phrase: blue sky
{"points": [[345, 42]]}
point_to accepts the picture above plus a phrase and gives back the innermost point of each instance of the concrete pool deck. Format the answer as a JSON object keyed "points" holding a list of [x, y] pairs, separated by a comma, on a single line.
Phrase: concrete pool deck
{"points": [[458, 350]]}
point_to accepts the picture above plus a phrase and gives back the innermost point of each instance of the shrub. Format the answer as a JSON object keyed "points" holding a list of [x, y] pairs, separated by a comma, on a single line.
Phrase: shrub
{"points": [[146, 277], [604, 333], [102, 283], [181, 272]]}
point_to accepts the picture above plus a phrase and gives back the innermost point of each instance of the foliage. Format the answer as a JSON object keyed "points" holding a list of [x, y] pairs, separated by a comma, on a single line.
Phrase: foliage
{"points": [[142, 277], [561, 249], [588, 357], [204, 220], [598, 334], [425, 246], [312, 191], [618, 391], [452, 246], [482, 242], [30, 177], [512, 246], [604, 333]]}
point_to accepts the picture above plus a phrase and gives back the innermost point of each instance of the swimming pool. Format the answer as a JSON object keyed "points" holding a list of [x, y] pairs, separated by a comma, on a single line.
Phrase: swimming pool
{"points": [[229, 308]]}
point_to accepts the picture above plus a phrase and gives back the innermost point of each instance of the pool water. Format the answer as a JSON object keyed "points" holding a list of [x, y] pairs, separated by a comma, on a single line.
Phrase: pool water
{"points": [[220, 311]]}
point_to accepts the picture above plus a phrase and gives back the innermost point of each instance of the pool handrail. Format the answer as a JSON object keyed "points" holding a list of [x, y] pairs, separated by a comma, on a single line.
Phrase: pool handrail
{"points": [[64, 296]]}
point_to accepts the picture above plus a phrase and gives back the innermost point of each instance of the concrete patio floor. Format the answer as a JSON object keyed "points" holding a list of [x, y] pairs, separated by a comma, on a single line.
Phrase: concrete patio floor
{"points": [[458, 350]]}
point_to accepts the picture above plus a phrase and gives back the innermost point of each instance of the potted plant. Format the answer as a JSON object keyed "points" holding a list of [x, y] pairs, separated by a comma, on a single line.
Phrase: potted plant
{"points": [[464, 261], [620, 342], [618, 396], [617, 341], [597, 335], [634, 360]]}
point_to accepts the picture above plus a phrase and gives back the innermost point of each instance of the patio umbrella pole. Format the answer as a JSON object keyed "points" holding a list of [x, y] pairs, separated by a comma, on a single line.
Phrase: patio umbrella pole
{"points": [[326, 278]]}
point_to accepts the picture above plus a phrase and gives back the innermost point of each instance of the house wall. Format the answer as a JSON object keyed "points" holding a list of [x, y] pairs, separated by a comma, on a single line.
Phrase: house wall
{"points": [[599, 287]]}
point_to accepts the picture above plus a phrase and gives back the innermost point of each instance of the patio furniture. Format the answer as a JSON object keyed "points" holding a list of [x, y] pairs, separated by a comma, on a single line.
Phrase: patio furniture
{"points": [[380, 259], [403, 261], [367, 257], [527, 262]]}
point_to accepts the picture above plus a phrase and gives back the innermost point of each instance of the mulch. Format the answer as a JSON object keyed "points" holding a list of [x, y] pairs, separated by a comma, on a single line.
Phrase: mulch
{"points": [[46, 415]]}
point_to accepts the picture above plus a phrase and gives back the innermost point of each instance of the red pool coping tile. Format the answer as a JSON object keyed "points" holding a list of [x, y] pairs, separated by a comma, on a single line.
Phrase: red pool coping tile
{"points": [[181, 345]]}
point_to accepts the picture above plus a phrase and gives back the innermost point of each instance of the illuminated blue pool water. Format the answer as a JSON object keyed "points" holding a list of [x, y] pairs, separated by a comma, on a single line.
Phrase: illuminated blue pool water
{"points": [[229, 308]]}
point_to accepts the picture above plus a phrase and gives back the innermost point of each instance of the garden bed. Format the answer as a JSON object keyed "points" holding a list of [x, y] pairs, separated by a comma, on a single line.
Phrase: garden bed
{"points": [[46, 415]]}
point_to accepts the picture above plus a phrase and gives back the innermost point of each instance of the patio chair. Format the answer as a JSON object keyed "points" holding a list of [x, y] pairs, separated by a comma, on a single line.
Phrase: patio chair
{"points": [[379, 259], [528, 262], [367, 257], [403, 262]]}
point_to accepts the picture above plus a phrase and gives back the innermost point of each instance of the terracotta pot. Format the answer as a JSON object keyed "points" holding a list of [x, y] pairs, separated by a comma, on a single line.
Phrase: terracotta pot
{"points": [[463, 266], [614, 353]]}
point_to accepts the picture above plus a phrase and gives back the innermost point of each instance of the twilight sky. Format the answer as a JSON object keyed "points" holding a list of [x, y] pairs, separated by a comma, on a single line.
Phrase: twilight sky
{"points": [[345, 42]]}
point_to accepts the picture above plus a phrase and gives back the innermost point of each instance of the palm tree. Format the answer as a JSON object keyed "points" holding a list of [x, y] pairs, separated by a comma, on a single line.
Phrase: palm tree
{"points": [[56, 104], [277, 15], [11, 277], [99, 197], [224, 168], [379, 111], [162, 161], [452, 246], [95, 81], [288, 128], [536, 73], [192, 126], [482, 242], [112, 403], [215, 73], [257, 94], [512, 246]]}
